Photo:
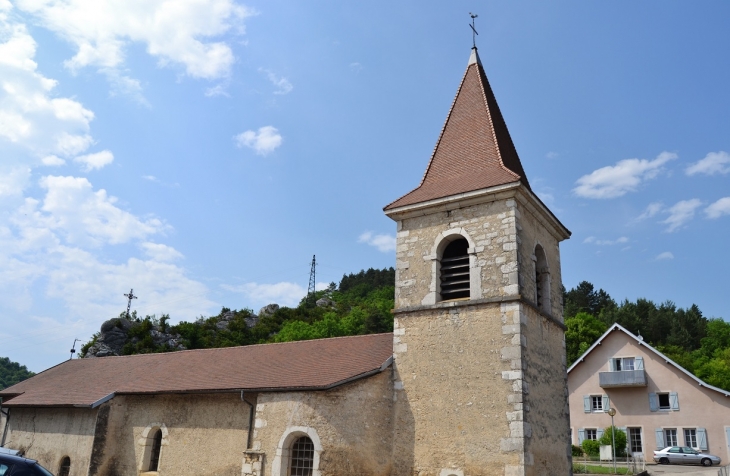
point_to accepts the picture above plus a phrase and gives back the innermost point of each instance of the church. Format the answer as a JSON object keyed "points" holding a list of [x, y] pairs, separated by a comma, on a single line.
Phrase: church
{"points": [[472, 381]]}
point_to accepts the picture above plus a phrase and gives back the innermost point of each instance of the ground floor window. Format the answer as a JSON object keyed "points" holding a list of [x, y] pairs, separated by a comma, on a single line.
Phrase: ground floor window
{"points": [[591, 434], [670, 437], [635, 440], [690, 437], [302, 457]]}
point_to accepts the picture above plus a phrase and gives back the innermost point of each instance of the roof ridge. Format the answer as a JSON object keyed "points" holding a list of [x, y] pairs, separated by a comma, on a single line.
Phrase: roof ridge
{"points": [[177, 352]]}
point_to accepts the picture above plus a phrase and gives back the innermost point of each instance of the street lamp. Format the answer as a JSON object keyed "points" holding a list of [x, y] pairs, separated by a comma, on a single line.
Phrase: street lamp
{"points": [[612, 412]]}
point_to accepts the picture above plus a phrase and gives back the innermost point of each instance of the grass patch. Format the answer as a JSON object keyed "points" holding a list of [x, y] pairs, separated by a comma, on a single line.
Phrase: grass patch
{"points": [[594, 469]]}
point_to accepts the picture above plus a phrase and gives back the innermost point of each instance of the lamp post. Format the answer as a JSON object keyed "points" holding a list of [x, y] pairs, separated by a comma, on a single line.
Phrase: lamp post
{"points": [[612, 412]]}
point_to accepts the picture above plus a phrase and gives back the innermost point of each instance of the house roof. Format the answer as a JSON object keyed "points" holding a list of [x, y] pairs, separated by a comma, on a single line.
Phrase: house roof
{"points": [[474, 150], [640, 341], [305, 365]]}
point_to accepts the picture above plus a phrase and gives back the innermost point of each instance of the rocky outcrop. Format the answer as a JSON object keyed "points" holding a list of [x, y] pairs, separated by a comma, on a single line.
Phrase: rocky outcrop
{"points": [[114, 335]]}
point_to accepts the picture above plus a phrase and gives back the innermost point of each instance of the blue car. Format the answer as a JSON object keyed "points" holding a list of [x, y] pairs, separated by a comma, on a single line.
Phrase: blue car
{"points": [[12, 465]]}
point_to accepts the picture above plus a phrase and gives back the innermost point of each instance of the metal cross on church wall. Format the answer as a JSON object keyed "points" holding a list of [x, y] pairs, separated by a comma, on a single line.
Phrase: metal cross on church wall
{"points": [[474, 31]]}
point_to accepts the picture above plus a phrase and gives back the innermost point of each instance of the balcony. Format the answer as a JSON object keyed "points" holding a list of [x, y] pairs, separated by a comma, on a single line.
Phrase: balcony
{"points": [[623, 378]]}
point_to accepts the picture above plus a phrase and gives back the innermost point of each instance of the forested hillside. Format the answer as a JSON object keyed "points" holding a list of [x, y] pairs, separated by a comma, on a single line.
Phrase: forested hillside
{"points": [[12, 372], [698, 344]]}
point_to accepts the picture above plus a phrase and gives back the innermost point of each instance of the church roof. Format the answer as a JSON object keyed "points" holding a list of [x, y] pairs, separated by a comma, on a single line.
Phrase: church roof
{"points": [[305, 365], [475, 150]]}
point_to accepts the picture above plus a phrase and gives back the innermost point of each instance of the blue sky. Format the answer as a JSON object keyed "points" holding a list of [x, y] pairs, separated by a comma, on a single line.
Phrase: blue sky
{"points": [[201, 151]]}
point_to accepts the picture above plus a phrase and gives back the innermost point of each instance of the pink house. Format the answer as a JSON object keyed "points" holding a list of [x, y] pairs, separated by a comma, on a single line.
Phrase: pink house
{"points": [[657, 402]]}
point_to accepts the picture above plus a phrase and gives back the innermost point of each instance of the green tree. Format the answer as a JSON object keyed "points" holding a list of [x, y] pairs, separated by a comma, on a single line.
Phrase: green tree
{"points": [[12, 373], [620, 438], [583, 330]]}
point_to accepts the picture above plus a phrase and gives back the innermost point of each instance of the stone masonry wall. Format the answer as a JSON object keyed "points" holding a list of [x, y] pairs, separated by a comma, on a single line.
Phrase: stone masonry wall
{"points": [[49, 434], [458, 391], [491, 228], [352, 422], [199, 431], [545, 402]]}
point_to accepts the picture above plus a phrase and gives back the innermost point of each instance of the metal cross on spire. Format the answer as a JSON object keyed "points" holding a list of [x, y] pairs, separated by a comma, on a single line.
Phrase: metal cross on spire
{"points": [[130, 296], [474, 31]]}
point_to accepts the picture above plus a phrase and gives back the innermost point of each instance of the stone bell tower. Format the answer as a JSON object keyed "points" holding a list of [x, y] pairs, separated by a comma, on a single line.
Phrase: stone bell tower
{"points": [[480, 371]]}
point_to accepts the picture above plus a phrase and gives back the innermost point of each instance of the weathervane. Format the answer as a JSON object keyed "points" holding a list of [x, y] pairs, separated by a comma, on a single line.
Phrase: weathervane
{"points": [[474, 31]]}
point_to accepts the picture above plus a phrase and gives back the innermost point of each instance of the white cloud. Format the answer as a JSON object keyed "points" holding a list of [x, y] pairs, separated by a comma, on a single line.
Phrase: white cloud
{"points": [[713, 163], [595, 241], [32, 121], [719, 208], [356, 67], [552, 155], [664, 256], [72, 210], [384, 243], [160, 252], [617, 180], [95, 161], [52, 161], [185, 32], [651, 210], [13, 181], [263, 142], [283, 293], [680, 213], [217, 90], [283, 85]]}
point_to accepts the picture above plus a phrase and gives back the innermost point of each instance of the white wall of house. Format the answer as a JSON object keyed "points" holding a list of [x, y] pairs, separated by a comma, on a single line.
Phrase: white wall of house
{"points": [[691, 407]]}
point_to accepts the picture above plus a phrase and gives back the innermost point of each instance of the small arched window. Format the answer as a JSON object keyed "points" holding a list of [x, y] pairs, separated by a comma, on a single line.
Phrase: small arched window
{"points": [[542, 281], [301, 461], [454, 272], [65, 467], [155, 450]]}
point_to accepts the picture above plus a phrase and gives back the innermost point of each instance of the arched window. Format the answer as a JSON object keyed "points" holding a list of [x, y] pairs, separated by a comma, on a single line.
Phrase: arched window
{"points": [[65, 467], [155, 450], [301, 461], [454, 272], [542, 281]]}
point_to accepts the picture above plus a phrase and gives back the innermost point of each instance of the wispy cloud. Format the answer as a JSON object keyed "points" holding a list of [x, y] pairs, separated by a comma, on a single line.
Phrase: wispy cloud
{"points": [[595, 241], [282, 84], [664, 256], [681, 213], [552, 155], [95, 161], [719, 208], [283, 293], [617, 180], [263, 142], [355, 67], [384, 243], [713, 163], [651, 210]]}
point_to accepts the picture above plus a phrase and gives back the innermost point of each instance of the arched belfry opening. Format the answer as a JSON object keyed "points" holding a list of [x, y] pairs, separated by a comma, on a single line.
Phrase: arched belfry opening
{"points": [[454, 270], [542, 281]]}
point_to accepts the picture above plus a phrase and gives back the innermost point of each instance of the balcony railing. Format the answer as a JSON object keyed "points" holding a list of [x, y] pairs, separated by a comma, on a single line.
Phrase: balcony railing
{"points": [[623, 378]]}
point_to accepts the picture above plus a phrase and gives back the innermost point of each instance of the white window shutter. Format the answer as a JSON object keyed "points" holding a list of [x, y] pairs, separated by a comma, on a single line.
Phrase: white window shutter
{"points": [[581, 436], [659, 438], [606, 403], [653, 402], [599, 433], [639, 363], [611, 368], [587, 403], [674, 401], [702, 439]]}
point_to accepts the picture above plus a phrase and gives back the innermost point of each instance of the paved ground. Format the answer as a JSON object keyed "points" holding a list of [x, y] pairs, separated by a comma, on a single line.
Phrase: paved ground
{"points": [[660, 469]]}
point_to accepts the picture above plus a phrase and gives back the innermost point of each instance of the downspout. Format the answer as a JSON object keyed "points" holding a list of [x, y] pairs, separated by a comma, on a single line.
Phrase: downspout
{"points": [[250, 420], [7, 421]]}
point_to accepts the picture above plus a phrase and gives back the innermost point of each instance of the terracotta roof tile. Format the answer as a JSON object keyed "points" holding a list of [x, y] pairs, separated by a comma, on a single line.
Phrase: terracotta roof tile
{"points": [[474, 151], [307, 365]]}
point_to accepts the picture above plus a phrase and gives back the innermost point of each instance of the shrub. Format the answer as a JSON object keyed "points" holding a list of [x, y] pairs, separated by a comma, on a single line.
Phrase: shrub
{"points": [[620, 441], [577, 450], [591, 447]]}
